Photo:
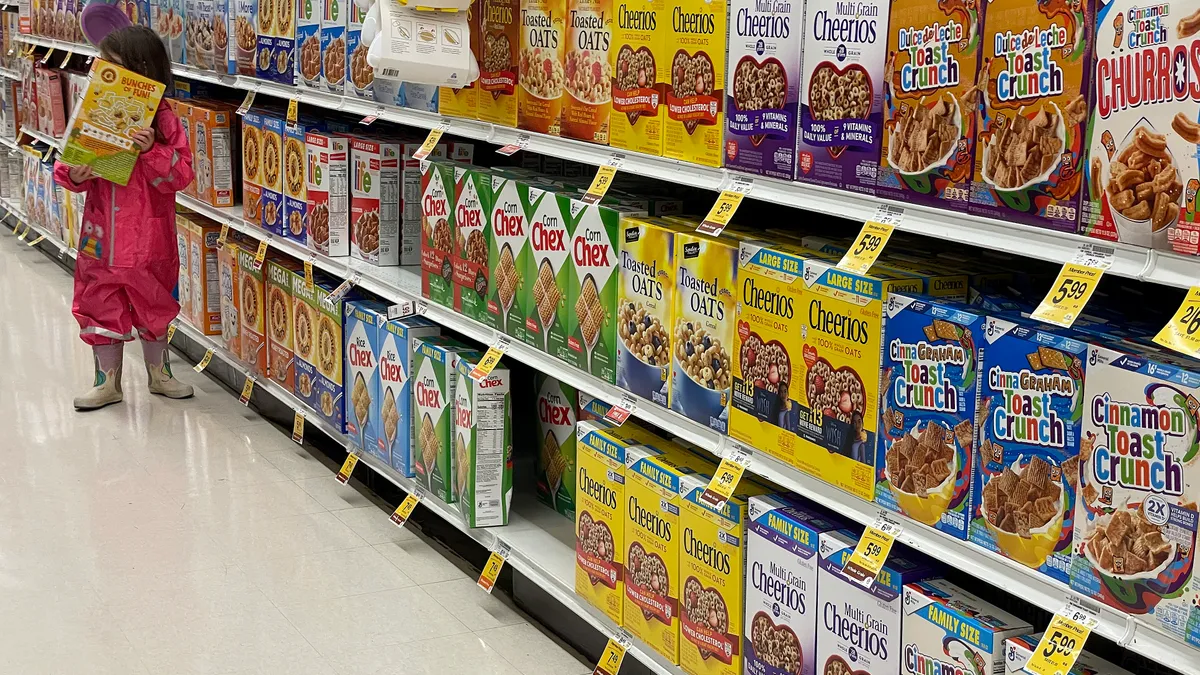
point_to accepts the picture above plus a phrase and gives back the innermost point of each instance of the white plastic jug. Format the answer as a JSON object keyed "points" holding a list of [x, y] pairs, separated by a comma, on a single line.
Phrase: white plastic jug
{"points": [[427, 47]]}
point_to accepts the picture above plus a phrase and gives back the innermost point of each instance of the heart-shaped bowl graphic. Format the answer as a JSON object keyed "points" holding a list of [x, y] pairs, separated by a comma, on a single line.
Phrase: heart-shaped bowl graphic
{"points": [[775, 645], [836, 665], [704, 607], [743, 87], [635, 73], [647, 575], [816, 388]]}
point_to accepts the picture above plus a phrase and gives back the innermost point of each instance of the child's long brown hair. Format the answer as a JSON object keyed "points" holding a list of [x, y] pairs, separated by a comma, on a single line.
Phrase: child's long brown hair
{"points": [[141, 50]]}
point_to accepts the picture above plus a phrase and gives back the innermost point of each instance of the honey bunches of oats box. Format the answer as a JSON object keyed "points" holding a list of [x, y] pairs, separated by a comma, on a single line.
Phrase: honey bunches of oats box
{"points": [[305, 317], [327, 355], [362, 319], [252, 312], [397, 343], [437, 232], [547, 279], [482, 462], [557, 413], [945, 627], [645, 307], [435, 360], [473, 232], [508, 255]]}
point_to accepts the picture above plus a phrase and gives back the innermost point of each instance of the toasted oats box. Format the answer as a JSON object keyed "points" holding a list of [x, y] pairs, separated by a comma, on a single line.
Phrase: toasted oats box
{"points": [[1134, 132], [945, 627], [362, 319], [252, 165], [281, 322], [482, 461], [359, 75], [860, 627], [762, 99], [327, 355], [703, 327], [712, 569], [251, 312], [543, 53], [271, 216], [500, 34], [695, 94], [393, 406], [327, 192], [645, 308], [309, 16], [548, 277], [435, 360], [931, 376], [333, 44], [472, 223], [295, 186], [557, 412], [464, 101], [1029, 414], [437, 231], [780, 627], [841, 95], [1039, 58], [508, 255], [640, 72], [587, 88], [1135, 512], [930, 98], [375, 201], [1019, 649], [231, 297], [306, 316]]}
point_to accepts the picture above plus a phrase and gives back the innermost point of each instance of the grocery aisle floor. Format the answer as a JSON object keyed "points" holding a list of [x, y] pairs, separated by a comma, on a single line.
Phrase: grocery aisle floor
{"points": [[177, 537]]}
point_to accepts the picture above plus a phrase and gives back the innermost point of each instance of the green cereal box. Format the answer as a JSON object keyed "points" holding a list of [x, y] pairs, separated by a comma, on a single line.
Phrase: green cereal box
{"points": [[557, 412], [645, 307], [508, 255], [433, 371], [482, 463], [547, 277], [473, 234], [437, 232]]}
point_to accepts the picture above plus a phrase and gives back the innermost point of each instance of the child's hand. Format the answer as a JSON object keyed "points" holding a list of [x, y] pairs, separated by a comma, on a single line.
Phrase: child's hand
{"points": [[79, 174], [144, 139]]}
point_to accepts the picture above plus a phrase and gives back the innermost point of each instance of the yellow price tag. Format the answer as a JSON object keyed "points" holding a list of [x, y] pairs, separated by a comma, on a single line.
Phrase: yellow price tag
{"points": [[722, 212], [601, 183], [402, 512], [46, 58], [247, 389], [491, 358], [431, 141], [246, 103], [726, 479], [867, 247], [224, 236], [343, 474], [199, 367], [1062, 642], [614, 654], [171, 332], [491, 569], [25, 233], [308, 274], [37, 241], [872, 552], [1069, 294], [17, 228], [260, 255], [293, 111], [66, 60], [1182, 333], [298, 428]]}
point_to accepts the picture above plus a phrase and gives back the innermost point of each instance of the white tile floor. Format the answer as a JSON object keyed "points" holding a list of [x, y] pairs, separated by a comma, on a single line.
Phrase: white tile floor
{"points": [[185, 537]]}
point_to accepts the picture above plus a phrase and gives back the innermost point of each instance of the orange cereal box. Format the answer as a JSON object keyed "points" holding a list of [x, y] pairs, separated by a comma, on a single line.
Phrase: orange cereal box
{"points": [[543, 49], [587, 101]]}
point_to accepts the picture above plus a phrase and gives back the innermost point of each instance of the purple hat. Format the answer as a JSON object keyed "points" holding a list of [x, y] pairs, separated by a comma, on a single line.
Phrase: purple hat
{"points": [[99, 18]]}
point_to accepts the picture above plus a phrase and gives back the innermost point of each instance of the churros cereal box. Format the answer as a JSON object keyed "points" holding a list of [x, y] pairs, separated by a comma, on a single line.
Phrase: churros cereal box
{"points": [[434, 366], [587, 96], [929, 101], [557, 413], [252, 312], [543, 52], [645, 308], [393, 406], [508, 255], [946, 627], [437, 231], [1032, 137], [641, 70], [118, 102], [500, 30], [281, 322], [695, 94]]}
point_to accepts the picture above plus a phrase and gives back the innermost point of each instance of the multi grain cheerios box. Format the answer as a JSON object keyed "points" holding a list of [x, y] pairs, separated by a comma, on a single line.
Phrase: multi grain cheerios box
{"points": [[252, 312], [437, 231], [762, 109], [361, 321], [435, 360], [780, 628], [1141, 177], [557, 413], [587, 89], [327, 193], [500, 32], [641, 70], [508, 255], [375, 201], [305, 318], [645, 308], [271, 209], [252, 166], [945, 628], [931, 381], [1032, 136], [1135, 512], [703, 326], [860, 627], [482, 461], [473, 232], [930, 98], [327, 354], [543, 52], [1029, 414], [280, 320], [393, 407], [1018, 650], [309, 16], [333, 44], [841, 94], [548, 277], [695, 95], [712, 559]]}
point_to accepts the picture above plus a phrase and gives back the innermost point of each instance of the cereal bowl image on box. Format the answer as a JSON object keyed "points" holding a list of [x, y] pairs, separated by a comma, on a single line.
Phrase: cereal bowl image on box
{"points": [[1051, 134], [1141, 214], [1033, 541]]}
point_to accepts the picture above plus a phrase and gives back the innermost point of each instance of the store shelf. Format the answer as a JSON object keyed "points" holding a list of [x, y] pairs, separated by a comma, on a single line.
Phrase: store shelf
{"points": [[9, 143], [58, 45], [51, 240], [44, 138], [10, 74]]}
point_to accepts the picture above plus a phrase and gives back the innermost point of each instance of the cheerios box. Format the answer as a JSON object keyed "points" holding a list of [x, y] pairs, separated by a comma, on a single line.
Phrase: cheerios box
{"points": [[362, 319], [308, 43], [281, 321], [641, 68], [694, 127], [931, 381], [861, 626], [434, 366], [295, 181], [557, 413], [482, 461], [271, 209], [543, 53], [781, 617], [1018, 650], [645, 307], [703, 325], [393, 406], [1141, 177], [473, 232], [946, 627], [712, 569], [333, 44], [327, 192], [1135, 513], [437, 231], [508, 255], [375, 201], [1032, 135], [547, 279], [252, 312], [500, 31], [1030, 409]]}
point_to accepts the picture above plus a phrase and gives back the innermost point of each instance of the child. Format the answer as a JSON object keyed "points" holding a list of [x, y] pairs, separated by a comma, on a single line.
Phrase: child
{"points": [[127, 280]]}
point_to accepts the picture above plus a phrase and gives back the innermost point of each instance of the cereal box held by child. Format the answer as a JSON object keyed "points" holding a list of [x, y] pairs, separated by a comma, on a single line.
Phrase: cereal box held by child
{"points": [[118, 103]]}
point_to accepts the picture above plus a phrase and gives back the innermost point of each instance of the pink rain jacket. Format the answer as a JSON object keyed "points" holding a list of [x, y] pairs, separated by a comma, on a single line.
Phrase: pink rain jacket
{"points": [[128, 263]]}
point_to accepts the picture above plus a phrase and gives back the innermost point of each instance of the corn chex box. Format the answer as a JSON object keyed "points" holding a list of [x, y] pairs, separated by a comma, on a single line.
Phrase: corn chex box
{"points": [[482, 464], [557, 413], [435, 362]]}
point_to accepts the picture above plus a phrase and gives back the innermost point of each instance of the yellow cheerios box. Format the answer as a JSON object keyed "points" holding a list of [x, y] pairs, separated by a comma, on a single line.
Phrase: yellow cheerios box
{"points": [[712, 559], [652, 542], [599, 511], [641, 68], [695, 92]]}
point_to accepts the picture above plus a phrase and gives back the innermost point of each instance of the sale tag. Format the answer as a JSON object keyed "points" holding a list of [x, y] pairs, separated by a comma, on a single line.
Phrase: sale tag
{"points": [[603, 180], [621, 411], [308, 274], [298, 427], [491, 569], [872, 551], [406, 308], [246, 103], [513, 148], [366, 121], [37, 241], [431, 141], [614, 654], [402, 512], [335, 296], [726, 479], [491, 358], [293, 111], [204, 361], [260, 255], [65, 61], [727, 204], [224, 236], [871, 240], [1182, 333], [247, 389], [171, 332], [343, 474], [1063, 640], [46, 58]]}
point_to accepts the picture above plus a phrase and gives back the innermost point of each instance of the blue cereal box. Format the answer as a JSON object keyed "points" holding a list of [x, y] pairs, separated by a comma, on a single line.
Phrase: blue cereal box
{"points": [[360, 77], [394, 404], [948, 630], [271, 176], [295, 191], [333, 44], [1030, 408], [931, 371], [308, 43], [244, 38], [362, 319]]}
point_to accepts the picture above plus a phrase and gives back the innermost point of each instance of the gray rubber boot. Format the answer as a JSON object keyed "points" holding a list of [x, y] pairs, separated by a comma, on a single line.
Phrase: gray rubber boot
{"points": [[158, 368], [107, 387]]}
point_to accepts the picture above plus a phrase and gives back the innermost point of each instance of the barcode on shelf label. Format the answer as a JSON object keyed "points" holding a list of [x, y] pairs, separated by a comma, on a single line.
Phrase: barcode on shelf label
{"points": [[390, 73]]}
